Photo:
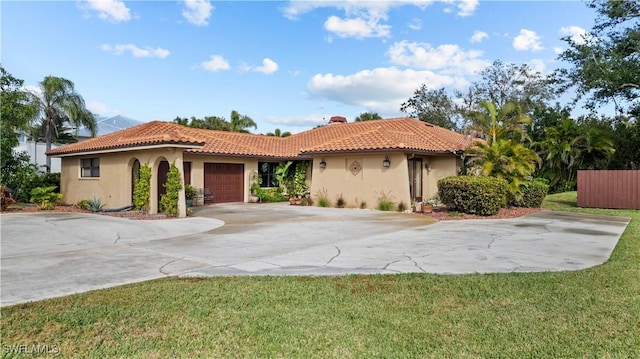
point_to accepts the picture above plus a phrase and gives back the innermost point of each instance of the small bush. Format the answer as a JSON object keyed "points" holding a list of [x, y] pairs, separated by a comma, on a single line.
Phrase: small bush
{"points": [[363, 204], [274, 194], [93, 205], [476, 195], [45, 197], [385, 202], [142, 189], [169, 200], [340, 202], [401, 207], [323, 198], [532, 193]]}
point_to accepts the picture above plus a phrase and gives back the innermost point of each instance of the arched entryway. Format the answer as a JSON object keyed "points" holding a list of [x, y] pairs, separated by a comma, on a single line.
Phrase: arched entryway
{"points": [[163, 170], [135, 176]]}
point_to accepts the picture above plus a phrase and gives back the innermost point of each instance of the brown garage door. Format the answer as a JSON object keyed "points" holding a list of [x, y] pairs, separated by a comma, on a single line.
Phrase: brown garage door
{"points": [[225, 180]]}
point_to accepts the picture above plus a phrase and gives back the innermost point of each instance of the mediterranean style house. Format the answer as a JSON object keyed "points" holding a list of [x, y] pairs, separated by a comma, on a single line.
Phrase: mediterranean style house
{"points": [[402, 158]]}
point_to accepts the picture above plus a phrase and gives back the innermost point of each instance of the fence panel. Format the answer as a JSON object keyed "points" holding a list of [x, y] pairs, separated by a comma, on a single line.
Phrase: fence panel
{"points": [[618, 189]]}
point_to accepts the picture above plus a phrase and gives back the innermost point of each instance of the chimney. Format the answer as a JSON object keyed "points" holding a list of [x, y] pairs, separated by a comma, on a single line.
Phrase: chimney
{"points": [[337, 119]]}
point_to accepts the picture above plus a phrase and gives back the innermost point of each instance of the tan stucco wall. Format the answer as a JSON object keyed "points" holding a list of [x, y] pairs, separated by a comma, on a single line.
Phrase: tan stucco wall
{"points": [[374, 179], [113, 187], [366, 185]]}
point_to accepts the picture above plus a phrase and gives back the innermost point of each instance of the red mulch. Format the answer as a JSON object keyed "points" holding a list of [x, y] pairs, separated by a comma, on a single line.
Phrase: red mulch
{"points": [[123, 214], [443, 214]]}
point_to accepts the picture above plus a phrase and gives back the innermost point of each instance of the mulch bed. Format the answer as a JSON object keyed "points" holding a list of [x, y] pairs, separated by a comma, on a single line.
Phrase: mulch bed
{"points": [[66, 209], [443, 214]]}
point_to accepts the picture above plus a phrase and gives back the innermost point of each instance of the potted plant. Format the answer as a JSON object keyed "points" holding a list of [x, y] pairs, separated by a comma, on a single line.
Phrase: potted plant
{"points": [[256, 182], [189, 193], [427, 205]]}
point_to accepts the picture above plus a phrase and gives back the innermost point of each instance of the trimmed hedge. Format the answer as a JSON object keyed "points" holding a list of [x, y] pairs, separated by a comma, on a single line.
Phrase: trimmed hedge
{"points": [[476, 195], [532, 193]]}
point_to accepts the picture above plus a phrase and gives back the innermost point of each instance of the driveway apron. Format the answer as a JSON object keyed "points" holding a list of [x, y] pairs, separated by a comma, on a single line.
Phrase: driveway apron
{"points": [[56, 254]]}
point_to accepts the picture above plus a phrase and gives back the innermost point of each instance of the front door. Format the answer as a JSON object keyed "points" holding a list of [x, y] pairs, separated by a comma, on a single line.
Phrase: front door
{"points": [[415, 178]]}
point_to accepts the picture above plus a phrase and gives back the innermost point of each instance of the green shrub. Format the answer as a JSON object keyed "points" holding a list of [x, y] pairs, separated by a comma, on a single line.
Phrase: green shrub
{"points": [[385, 202], [93, 204], [532, 193], [142, 189], [273, 194], [476, 195], [340, 201], [169, 200], [45, 197], [189, 191], [323, 198]]}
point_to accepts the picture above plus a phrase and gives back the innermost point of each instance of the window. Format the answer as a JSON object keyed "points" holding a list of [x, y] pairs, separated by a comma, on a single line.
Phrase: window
{"points": [[267, 173], [90, 167]]}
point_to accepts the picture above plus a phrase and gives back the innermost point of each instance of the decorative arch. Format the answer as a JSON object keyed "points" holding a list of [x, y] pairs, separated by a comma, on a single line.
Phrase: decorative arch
{"points": [[162, 169]]}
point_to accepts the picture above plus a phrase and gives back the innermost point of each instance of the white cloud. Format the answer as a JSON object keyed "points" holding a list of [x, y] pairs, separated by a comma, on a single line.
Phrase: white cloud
{"points": [[538, 65], [527, 40], [576, 33], [197, 12], [415, 24], [215, 63], [268, 67], [119, 49], [306, 121], [467, 7], [359, 28], [380, 89], [448, 58], [478, 36], [109, 10], [364, 19], [558, 50]]}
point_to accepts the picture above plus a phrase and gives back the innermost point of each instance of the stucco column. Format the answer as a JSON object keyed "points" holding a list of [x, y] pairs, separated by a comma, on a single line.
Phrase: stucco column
{"points": [[182, 203]]}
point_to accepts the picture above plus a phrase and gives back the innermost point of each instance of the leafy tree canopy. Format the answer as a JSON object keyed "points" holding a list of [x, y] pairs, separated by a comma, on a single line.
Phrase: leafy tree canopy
{"points": [[605, 63], [368, 116]]}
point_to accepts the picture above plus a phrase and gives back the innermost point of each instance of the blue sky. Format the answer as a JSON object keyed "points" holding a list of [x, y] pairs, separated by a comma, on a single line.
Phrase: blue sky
{"points": [[288, 65]]}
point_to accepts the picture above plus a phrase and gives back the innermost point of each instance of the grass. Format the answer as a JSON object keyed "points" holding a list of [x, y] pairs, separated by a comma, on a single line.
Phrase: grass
{"points": [[591, 313]]}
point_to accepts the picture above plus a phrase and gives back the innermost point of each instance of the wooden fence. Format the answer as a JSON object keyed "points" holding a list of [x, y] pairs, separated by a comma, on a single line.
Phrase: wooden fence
{"points": [[609, 189]]}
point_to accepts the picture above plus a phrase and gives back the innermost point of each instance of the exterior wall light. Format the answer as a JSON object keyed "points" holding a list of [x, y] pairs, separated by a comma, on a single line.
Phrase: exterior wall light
{"points": [[323, 163], [428, 167], [386, 162]]}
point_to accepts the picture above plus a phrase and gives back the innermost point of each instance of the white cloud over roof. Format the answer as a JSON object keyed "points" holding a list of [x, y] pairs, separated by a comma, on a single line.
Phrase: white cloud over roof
{"points": [[576, 33], [449, 57], [197, 12], [135, 51], [527, 40]]}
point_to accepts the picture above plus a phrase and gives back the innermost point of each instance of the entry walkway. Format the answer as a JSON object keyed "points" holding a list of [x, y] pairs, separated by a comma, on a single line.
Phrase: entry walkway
{"points": [[56, 254]]}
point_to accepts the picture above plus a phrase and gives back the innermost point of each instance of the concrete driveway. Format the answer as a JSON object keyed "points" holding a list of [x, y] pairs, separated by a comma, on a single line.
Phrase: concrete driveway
{"points": [[56, 254]]}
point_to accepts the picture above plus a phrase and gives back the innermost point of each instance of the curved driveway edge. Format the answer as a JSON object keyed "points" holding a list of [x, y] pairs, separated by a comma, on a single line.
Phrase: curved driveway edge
{"points": [[56, 254]]}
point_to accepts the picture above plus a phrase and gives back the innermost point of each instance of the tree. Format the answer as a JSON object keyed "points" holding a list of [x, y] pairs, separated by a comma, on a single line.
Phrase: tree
{"points": [[569, 147], [278, 133], [504, 154], [240, 123], [433, 106], [368, 116], [504, 158], [502, 83], [605, 64], [60, 104], [626, 139], [491, 123]]}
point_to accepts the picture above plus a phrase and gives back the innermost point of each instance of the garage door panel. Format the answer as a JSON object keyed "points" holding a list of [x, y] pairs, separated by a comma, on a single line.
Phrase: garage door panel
{"points": [[226, 181]]}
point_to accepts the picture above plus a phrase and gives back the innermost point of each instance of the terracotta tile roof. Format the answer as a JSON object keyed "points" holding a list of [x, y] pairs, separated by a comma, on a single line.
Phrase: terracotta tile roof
{"points": [[399, 134]]}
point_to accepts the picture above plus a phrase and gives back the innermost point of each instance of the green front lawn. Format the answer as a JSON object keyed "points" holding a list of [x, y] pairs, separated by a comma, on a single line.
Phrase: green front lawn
{"points": [[590, 313]]}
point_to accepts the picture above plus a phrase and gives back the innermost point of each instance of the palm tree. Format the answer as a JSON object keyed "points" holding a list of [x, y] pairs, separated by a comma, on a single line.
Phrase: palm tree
{"points": [[278, 133], [568, 147], [240, 123], [504, 158], [59, 104], [493, 123], [368, 116]]}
